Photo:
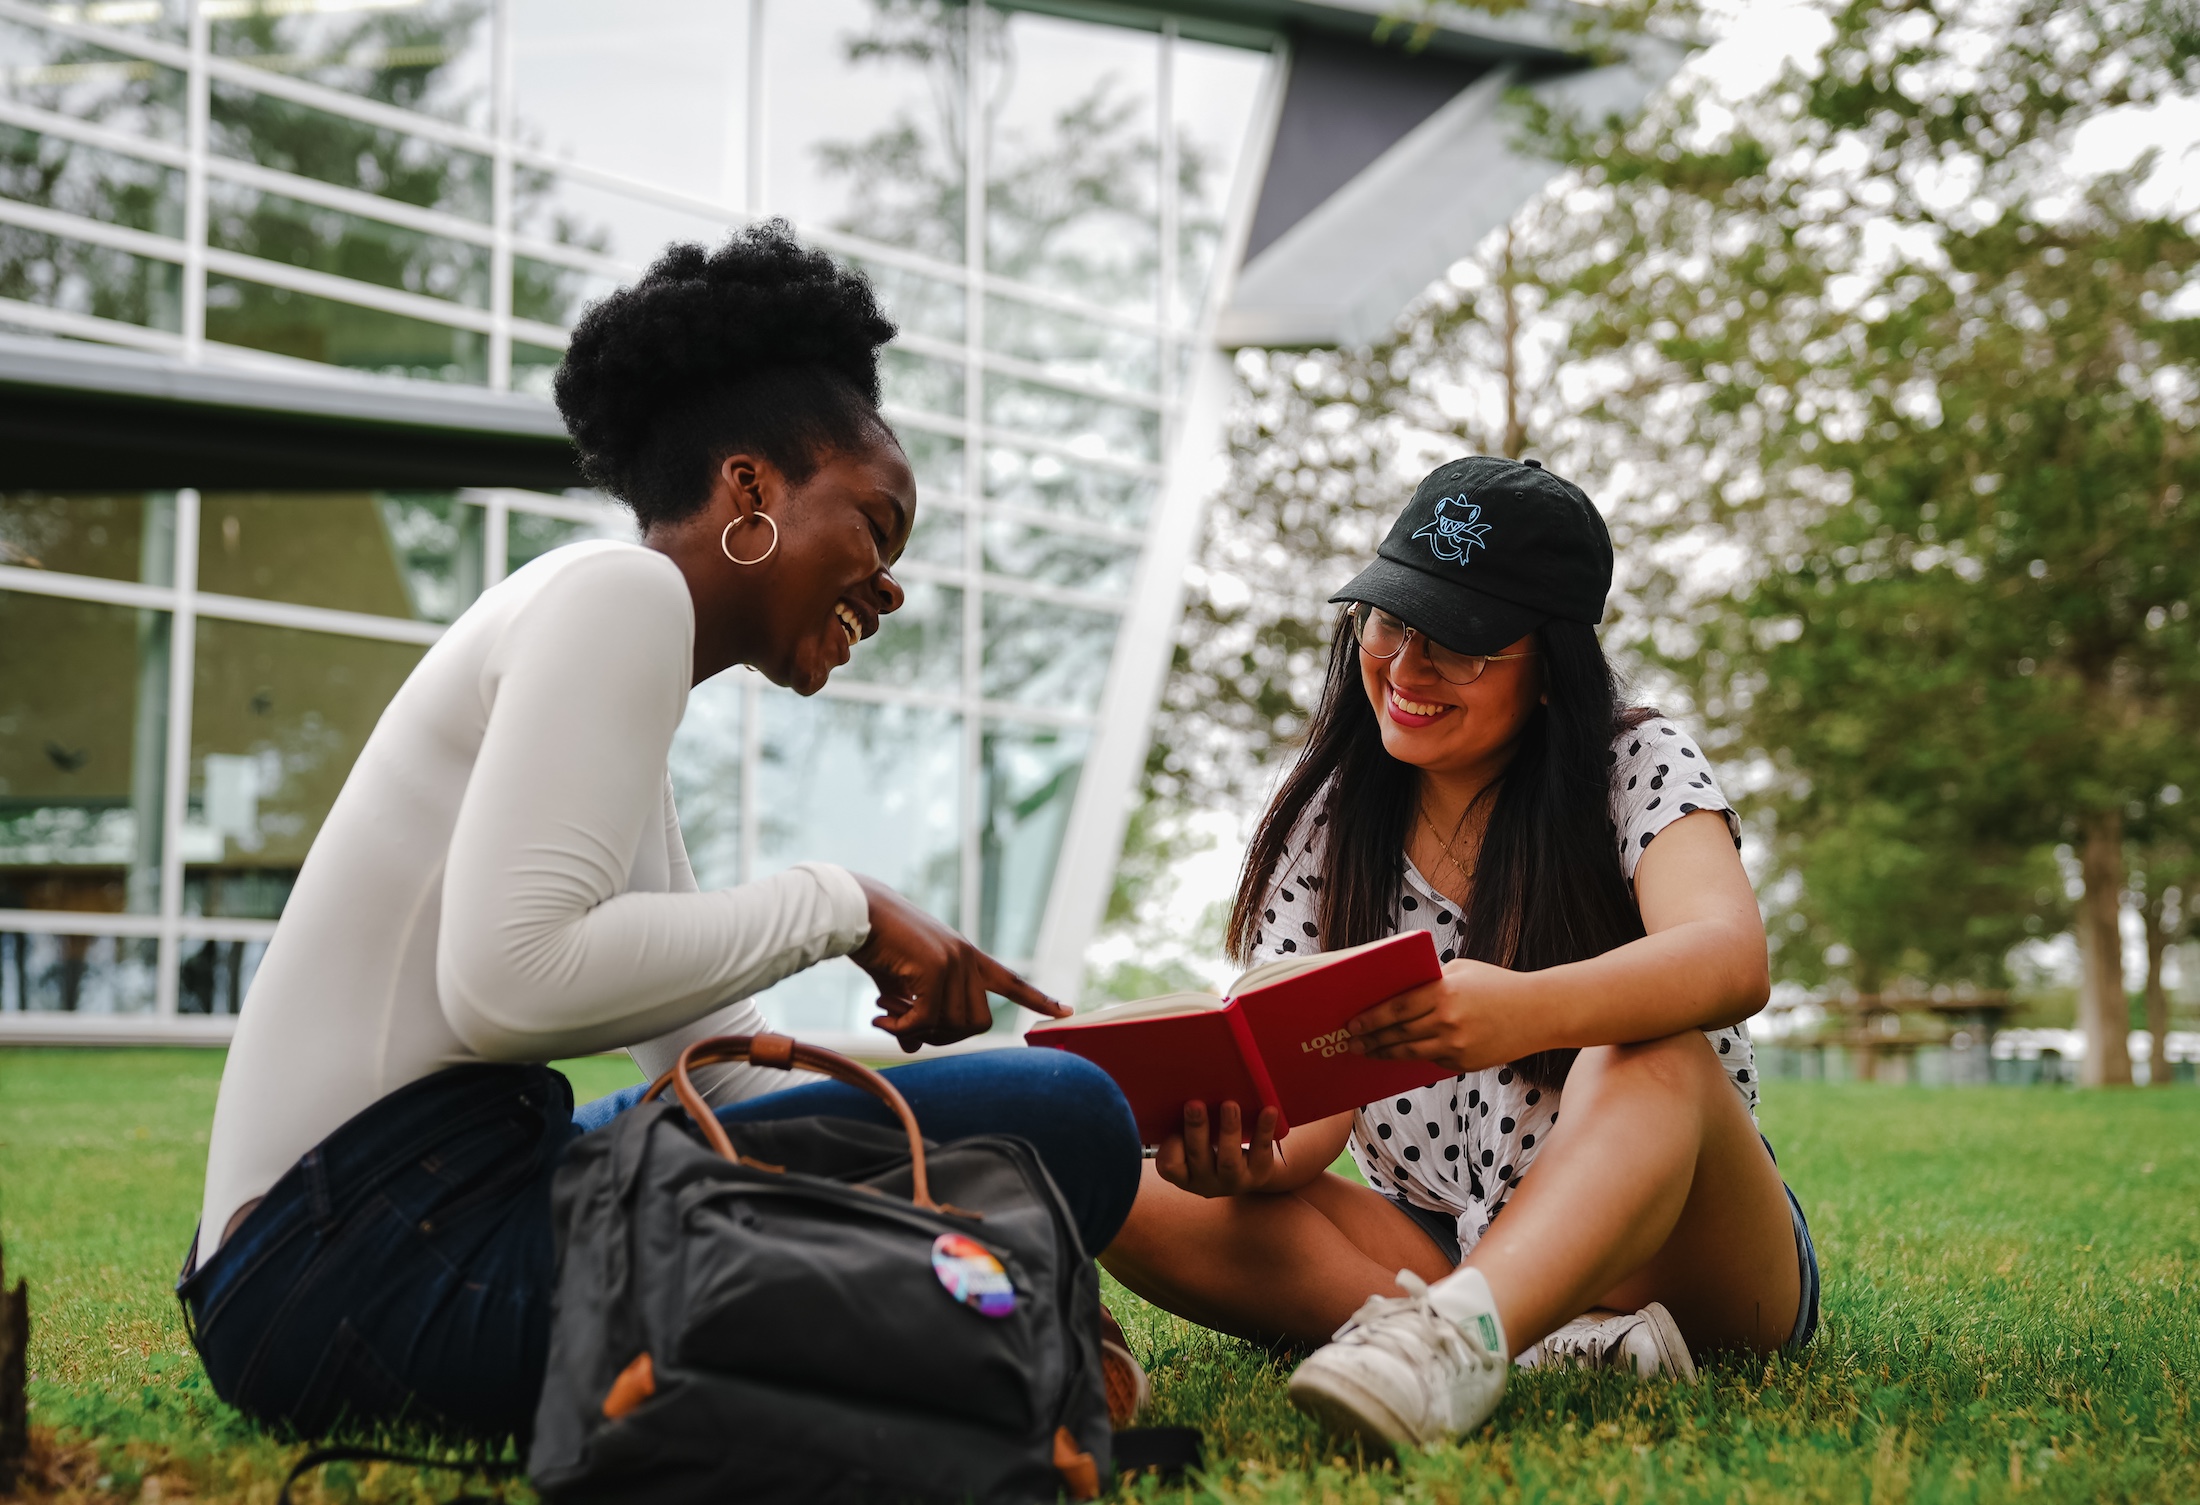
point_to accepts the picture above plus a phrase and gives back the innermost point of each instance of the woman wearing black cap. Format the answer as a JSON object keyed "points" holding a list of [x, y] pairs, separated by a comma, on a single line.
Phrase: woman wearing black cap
{"points": [[1471, 772]]}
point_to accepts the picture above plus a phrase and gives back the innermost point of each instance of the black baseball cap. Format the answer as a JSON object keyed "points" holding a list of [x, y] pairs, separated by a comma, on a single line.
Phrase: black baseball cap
{"points": [[1487, 551]]}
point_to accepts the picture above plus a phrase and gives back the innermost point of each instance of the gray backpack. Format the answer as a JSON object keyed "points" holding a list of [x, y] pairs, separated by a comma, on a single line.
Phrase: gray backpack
{"points": [[814, 1309]]}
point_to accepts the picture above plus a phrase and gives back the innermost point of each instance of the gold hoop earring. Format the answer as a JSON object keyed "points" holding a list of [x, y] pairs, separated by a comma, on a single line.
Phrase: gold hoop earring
{"points": [[726, 548]]}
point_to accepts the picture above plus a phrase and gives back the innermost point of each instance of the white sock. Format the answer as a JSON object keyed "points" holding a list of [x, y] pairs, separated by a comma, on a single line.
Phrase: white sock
{"points": [[1463, 1298]]}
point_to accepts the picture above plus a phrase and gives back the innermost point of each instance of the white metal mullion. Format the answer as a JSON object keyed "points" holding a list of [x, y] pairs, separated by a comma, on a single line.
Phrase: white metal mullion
{"points": [[1059, 522], [1023, 370], [1165, 300], [1008, 585], [632, 188], [1040, 590], [350, 624], [750, 801], [496, 514], [972, 893], [1029, 715], [752, 175], [1032, 371], [245, 358], [917, 418], [752, 771], [69, 128], [963, 428], [749, 846], [13, 577], [596, 514], [1144, 470], [579, 258], [501, 198], [107, 1030], [387, 300], [94, 232], [1066, 303], [90, 327], [553, 336], [871, 692], [350, 201], [182, 662], [134, 927], [220, 928], [196, 114], [41, 19], [350, 106]]}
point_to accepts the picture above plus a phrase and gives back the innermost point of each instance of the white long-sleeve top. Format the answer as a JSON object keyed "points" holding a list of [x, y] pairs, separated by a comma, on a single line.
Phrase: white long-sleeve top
{"points": [[502, 877]]}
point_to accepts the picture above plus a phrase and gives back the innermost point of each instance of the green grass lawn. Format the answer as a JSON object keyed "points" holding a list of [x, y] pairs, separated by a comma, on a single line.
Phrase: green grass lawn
{"points": [[2012, 1308]]}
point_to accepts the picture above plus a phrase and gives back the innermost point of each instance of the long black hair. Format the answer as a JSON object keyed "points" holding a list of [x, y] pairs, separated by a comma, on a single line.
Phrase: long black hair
{"points": [[1548, 888]]}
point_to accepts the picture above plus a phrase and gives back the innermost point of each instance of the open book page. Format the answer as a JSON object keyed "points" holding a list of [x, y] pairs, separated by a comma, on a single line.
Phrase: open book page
{"points": [[1167, 1006], [1281, 1042], [1291, 966]]}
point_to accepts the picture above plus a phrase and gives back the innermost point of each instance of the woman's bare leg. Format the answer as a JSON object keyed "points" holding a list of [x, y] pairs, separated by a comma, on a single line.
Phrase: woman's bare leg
{"points": [[1654, 1187], [1291, 1266]]}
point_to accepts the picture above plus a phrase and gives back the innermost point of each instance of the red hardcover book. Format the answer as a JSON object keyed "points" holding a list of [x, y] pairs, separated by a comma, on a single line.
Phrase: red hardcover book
{"points": [[1278, 1039]]}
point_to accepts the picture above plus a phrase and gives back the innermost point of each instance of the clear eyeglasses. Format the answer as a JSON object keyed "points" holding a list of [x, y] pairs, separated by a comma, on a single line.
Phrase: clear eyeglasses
{"points": [[1383, 636]]}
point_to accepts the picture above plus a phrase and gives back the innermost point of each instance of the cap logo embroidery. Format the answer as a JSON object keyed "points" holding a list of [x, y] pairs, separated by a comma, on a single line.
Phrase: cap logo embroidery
{"points": [[1455, 530]]}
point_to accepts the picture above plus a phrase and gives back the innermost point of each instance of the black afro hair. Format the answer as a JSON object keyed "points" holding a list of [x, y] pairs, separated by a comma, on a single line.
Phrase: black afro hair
{"points": [[762, 346]]}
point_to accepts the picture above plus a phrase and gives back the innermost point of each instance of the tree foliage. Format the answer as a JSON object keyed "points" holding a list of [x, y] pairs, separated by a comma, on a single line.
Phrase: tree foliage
{"points": [[1894, 413]]}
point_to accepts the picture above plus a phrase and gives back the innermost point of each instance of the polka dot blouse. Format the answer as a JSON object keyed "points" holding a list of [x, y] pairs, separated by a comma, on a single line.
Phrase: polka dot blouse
{"points": [[1460, 1147]]}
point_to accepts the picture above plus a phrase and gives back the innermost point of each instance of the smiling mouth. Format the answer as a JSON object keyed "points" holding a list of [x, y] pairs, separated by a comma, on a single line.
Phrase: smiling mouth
{"points": [[850, 623], [1415, 707]]}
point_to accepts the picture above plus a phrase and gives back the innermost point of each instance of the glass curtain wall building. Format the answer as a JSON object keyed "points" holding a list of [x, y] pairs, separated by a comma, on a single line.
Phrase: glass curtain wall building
{"points": [[431, 190], [332, 205]]}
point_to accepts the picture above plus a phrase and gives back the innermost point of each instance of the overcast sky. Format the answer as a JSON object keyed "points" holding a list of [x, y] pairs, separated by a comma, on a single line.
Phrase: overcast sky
{"points": [[1758, 39]]}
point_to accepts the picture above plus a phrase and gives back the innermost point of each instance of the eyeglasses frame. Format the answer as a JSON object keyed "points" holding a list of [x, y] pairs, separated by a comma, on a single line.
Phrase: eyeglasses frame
{"points": [[1481, 660]]}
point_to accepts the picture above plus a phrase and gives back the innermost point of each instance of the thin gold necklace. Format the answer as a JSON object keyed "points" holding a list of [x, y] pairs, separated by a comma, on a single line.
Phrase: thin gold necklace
{"points": [[1466, 873]]}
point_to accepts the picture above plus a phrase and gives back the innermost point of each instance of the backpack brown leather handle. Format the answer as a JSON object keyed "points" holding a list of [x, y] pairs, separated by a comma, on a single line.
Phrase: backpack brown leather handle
{"points": [[784, 1054]]}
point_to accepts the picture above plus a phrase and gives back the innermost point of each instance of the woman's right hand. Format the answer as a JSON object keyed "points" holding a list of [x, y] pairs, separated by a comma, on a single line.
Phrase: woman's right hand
{"points": [[931, 982], [1220, 1163]]}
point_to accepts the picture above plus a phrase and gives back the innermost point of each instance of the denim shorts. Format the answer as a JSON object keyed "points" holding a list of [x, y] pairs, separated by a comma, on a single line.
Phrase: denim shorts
{"points": [[1443, 1230], [402, 1269]]}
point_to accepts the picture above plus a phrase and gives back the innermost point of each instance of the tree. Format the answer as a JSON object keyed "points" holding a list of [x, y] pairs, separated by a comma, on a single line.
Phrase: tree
{"points": [[1948, 436], [2165, 863], [1894, 418]]}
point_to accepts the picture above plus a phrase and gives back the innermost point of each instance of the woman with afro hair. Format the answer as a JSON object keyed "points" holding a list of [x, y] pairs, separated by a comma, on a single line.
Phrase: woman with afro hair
{"points": [[501, 882]]}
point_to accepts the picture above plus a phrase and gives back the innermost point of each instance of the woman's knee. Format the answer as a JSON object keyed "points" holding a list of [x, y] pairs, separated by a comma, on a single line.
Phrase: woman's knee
{"points": [[1680, 1063], [1071, 1091], [1068, 1109], [1088, 1098], [1158, 1214]]}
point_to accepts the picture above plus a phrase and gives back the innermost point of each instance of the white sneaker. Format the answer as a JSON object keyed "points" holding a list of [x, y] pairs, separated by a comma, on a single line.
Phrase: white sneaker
{"points": [[1648, 1341], [1416, 1368]]}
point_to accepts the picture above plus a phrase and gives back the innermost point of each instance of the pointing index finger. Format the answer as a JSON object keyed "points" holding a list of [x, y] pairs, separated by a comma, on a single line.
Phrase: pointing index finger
{"points": [[1006, 983]]}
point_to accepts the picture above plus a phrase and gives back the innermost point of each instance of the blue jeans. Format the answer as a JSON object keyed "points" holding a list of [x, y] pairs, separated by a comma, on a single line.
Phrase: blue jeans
{"points": [[403, 1267]]}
